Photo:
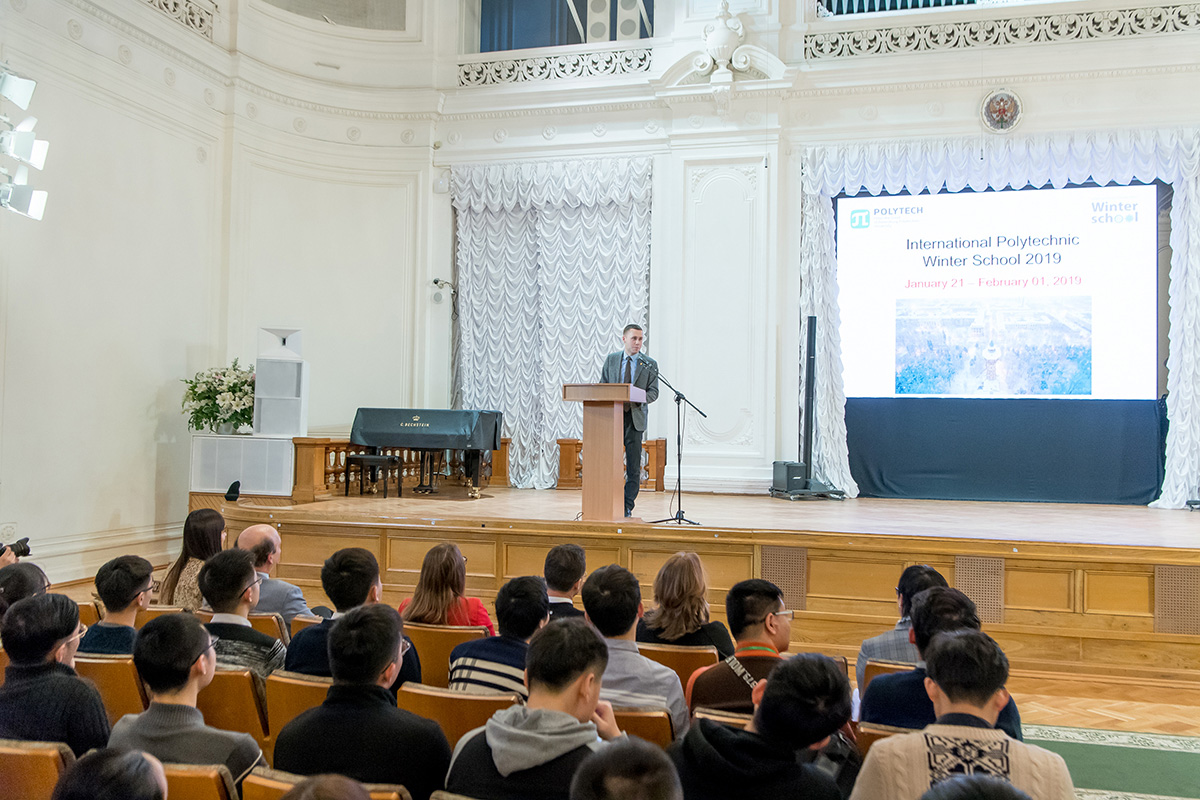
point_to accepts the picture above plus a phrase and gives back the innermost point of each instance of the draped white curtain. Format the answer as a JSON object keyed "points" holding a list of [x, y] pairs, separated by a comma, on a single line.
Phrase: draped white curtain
{"points": [[553, 260], [1172, 156]]}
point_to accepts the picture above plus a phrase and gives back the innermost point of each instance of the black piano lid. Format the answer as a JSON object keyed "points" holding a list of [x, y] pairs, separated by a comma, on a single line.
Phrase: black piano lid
{"points": [[427, 428]]}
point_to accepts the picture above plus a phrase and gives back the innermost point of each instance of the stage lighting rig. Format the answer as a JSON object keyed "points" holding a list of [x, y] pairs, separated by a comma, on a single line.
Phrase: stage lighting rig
{"points": [[20, 143], [15, 88], [16, 196]]}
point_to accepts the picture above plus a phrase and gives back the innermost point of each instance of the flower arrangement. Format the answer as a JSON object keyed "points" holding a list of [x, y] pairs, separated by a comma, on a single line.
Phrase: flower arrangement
{"points": [[219, 397]]}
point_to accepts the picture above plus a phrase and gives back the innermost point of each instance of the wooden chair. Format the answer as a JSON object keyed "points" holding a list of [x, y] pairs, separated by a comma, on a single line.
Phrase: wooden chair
{"points": [[875, 668], [443, 795], [730, 718], [272, 625], [88, 614], [651, 724], [157, 611], [30, 770], [272, 784], [455, 712], [199, 782], [117, 679], [300, 623], [868, 733], [3, 664], [232, 703], [683, 659], [434, 643], [290, 694]]}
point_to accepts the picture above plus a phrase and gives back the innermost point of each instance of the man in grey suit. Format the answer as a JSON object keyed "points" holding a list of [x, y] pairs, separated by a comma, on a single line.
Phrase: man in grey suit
{"points": [[274, 596], [630, 365]]}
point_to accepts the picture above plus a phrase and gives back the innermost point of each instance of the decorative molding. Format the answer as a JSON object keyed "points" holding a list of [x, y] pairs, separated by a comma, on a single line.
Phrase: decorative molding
{"points": [[321, 108], [1138, 741], [124, 54], [74, 29], [548, 68], [195, 15], [1041, 29]]}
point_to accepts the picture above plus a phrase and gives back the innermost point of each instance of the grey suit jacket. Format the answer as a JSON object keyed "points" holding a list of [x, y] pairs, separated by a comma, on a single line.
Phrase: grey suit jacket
{"points": [[646, 378], [282, 598]]}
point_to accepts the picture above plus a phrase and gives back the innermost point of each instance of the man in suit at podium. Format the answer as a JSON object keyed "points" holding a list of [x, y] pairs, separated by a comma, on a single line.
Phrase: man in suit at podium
{"points": [[630, 365]]}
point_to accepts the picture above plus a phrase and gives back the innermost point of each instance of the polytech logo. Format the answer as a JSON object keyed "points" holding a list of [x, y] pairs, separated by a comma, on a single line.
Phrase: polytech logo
{"points": [[860, 218]]}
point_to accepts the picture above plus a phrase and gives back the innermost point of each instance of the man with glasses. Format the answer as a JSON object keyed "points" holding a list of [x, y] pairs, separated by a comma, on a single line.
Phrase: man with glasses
{"points": [[42, 699], [230, 586], [762, 629], [124, 585], [175, 658]]}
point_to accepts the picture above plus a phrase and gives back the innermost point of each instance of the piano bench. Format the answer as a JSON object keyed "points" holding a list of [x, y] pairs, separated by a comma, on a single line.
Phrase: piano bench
{"points": [[367, 461]]}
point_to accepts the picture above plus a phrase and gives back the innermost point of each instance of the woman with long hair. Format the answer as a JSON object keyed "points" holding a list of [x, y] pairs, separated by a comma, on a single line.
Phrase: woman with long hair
{"points": [[681, 612], [440, 597], [203, 537]]}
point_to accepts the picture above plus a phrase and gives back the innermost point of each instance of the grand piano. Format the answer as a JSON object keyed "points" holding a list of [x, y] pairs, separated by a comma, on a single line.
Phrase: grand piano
{"points": [[430, 432]]}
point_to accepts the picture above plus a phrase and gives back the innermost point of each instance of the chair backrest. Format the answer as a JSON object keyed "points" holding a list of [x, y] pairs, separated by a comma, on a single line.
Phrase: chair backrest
{"points": [[30, 770], [434, 643], [150, 613], [455, 712], [117, 679], [441, 795], [199, 782], [875, 668], [730, 718], [300, 623], [3, 664], [651, 724], [290, 694], [682, 659], [272, 625], [869, 733], [88, 613], [272, 784], [232, 703]]}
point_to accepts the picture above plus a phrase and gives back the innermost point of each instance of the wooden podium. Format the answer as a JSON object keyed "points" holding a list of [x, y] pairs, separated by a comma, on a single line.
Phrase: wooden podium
{"points": [[603, 445]]}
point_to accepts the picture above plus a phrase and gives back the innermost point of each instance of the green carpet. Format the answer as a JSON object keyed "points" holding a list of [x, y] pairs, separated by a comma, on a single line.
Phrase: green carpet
{"points": [[1112, 765]]}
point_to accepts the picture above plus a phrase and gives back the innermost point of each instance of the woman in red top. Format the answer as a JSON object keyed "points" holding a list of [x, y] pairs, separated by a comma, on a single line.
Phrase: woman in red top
{"points": [[439, 598]]}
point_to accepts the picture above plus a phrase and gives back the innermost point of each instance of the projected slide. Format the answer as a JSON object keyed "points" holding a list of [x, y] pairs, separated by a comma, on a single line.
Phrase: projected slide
{"points": [[1036, 293]]}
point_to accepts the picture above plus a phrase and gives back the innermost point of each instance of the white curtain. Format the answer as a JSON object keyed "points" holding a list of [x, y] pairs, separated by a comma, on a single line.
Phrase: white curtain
{"points": [[553, 259], [1172, 156]]}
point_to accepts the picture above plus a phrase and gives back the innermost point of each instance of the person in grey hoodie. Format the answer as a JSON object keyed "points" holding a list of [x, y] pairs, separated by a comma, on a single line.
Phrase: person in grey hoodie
{"points": [[531, 752], [803, 701]]}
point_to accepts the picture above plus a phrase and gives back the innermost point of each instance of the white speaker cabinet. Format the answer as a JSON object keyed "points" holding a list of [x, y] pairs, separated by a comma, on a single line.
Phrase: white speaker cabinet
{"points": [[264, 464]]}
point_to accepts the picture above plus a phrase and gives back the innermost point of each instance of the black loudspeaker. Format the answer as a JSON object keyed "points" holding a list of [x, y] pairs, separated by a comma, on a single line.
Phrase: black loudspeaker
{"points": [[789, 476]]}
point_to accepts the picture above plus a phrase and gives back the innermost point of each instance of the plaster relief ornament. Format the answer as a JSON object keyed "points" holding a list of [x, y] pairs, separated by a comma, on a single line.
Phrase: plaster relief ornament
{"points": [[1001, 111], [721, 38]]}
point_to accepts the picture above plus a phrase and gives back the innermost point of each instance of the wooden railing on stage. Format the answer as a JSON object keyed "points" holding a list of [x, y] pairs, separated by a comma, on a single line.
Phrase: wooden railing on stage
{"points": [[321, 467]]}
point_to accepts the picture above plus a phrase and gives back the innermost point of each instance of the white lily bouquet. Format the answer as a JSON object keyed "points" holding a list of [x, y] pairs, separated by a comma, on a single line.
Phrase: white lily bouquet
{"points": [[220, 398]]}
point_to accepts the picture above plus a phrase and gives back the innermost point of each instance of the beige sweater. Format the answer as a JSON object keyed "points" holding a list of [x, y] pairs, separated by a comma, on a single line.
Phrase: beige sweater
{"points": [[904, 766]]}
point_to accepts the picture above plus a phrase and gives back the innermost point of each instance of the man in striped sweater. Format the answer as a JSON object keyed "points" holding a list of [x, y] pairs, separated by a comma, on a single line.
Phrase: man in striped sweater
{"points": [[230, 586], [497, 663]]}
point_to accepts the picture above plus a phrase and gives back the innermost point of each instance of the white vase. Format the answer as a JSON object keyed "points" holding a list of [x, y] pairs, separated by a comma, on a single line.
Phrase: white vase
{"points": [[225, 428]]}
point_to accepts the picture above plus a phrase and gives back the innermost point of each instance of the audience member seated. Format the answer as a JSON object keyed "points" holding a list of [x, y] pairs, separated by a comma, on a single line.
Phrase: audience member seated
{"points": [[497, 663], [230, 587], [900, 699], [358, 731], [612, 601], [966, 676], [974, 787], [681, 612], [274, 596], [328, 787], [350, 578], [440, 597], [124, 585], [565, 569], [42, 699], [801, 704], [531, 751], [113, 774], [175, 659], [629, 769], [203, 538], [19, 581], [895, 644], [763, 630]]}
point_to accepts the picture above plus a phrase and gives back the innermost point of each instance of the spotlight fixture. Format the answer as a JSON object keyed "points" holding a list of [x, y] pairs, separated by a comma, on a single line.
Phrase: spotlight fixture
{"points": [[16, 196], [15, 88], [22, 144]]}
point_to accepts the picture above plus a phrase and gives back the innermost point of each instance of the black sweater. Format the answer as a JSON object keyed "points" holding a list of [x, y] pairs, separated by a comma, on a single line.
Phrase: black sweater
{"points": [[50, 703], [358, 732]]}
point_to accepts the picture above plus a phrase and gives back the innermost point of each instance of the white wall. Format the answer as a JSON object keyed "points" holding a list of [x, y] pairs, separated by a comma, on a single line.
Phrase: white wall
{"points": [[282, 173]]}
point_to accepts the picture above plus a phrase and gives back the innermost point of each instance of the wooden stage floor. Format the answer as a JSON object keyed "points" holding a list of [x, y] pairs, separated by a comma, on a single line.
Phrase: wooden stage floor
{"points": [[1069, 523]]}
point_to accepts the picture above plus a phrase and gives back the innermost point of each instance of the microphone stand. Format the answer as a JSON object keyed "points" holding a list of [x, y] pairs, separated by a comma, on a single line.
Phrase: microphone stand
{"points": [[679, 518]]}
